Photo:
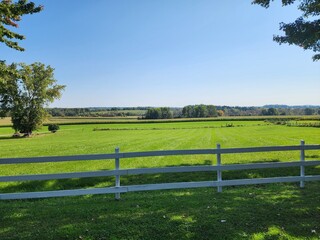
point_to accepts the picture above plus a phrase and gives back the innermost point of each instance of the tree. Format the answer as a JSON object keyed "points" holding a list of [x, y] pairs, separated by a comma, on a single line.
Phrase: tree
{"points": [[159, 113], [220, 113], [264, 112], [269, 112], [153, 113], [212, 111], [166, 113], [53, 128], [302, 32], [24, 91], [11, 13], [187, 111], [309, 111], [272, 112], [199, 111]]}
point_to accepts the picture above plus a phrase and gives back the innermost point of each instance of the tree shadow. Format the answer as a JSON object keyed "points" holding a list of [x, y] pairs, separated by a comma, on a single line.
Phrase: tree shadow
{"points": [[312, 156], [10, 138], [280, 212], [59, 184]]}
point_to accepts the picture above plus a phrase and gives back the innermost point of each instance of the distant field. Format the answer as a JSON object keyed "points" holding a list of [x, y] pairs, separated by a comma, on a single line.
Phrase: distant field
{"points": [[88, 119], [92, 120], [5, 121], [275, 211], [70, 120]]}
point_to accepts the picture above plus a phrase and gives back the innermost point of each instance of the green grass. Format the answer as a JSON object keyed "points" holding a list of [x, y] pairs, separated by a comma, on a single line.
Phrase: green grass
{"points": [[275, 211]]}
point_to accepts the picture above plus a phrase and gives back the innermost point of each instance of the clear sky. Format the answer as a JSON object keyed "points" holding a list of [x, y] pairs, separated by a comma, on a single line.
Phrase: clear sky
{"points": [[168, 53]]}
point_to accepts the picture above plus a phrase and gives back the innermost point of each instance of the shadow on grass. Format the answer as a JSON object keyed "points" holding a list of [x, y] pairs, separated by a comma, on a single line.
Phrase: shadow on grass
{"points": [[278, 211], [21, 137], [9, 137]]}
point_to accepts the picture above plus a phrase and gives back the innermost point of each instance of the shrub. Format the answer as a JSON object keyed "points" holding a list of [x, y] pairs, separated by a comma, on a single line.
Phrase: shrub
{"points": [[53, 128]]}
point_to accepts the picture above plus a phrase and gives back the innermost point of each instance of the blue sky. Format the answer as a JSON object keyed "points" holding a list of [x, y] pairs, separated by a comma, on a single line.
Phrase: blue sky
{"points": [[168, 53]]}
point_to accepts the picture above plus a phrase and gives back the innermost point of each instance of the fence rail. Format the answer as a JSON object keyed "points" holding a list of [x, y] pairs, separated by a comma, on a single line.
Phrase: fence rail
{"points": [[117, 189]]}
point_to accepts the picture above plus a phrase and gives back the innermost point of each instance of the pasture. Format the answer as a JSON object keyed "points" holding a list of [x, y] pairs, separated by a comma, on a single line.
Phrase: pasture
{"points": [[275, 211]]}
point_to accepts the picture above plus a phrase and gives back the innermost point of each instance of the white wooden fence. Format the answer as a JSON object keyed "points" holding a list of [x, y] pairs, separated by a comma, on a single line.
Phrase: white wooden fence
{"points": [[117, 189]]}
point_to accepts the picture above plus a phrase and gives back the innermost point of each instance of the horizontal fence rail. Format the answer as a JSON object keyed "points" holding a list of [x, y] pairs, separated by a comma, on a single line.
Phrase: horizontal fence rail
{"points": [[154, 154], [117, 189]]}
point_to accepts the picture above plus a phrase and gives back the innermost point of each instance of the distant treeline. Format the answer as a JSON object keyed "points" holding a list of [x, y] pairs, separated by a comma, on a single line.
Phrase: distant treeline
{"points": [[268, 111], [203, 111], [190, 111], [96, 112], [287, 106]]}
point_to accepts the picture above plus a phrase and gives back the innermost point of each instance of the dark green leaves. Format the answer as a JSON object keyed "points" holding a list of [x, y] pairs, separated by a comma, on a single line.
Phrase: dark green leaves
{"points": [[24, 91], [10, 14], [302, 32]]}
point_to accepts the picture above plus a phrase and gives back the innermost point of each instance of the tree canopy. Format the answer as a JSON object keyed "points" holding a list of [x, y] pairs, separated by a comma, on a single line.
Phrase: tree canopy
{"points": [[159, 113], [304, 31], [24, 92], [11, 13], [270, 112], [199, 111]]}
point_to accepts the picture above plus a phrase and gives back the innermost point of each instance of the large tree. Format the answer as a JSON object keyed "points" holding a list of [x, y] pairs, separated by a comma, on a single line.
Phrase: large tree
{"points": [[11, 13], [25, 90], [304, 31]]}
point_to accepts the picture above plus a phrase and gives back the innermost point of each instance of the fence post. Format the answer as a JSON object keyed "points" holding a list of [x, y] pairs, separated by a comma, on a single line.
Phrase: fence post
{"points": [[117, 166], [219, 175], [302, 158]]}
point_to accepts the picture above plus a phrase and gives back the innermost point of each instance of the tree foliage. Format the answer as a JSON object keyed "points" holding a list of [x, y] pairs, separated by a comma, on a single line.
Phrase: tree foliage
{"points": [[309, 111], [53, 128], [270, 112], [159, 113], [11, 13], [304, 31], [24, 91], [199, 111]]}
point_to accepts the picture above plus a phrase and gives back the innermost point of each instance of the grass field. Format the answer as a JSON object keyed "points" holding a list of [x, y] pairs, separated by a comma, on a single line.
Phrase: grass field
{"points": [[275, 211], [74, 120], [132, 119]]}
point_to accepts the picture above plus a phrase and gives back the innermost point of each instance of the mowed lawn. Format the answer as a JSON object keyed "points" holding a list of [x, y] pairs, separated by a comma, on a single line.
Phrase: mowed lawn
{"points": [[275, 211]]}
